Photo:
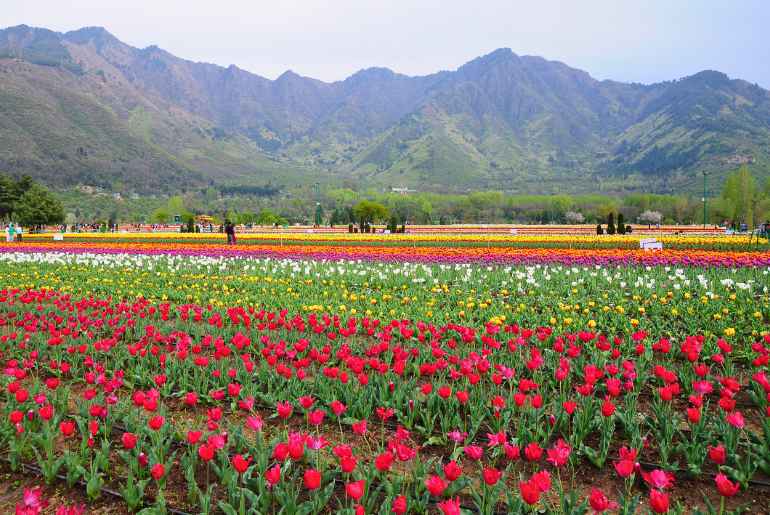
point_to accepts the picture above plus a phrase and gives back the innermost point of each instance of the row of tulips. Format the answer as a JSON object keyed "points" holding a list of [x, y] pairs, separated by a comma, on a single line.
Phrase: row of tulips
{"points": [[493, 255], [564, 240]]}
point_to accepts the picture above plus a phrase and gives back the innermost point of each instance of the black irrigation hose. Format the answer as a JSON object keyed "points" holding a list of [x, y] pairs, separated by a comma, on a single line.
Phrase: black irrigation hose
{"points": [[39, 472]]}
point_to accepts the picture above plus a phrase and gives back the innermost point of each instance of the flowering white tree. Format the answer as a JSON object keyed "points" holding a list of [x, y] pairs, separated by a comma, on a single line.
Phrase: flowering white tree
{"points": [[651, 217], [573, 217]]}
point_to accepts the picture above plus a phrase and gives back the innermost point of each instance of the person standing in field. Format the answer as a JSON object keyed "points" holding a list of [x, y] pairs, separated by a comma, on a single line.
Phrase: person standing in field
{"points": [[10, 233], [230, 231]]}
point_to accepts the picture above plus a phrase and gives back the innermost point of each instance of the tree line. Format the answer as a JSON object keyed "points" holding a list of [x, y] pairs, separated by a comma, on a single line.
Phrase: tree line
{"points": [[741, 200]]}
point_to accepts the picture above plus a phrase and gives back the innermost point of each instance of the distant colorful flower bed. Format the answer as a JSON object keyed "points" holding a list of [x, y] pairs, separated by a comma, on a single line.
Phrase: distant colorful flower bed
{"points": [[566, 240], [432, 254]]}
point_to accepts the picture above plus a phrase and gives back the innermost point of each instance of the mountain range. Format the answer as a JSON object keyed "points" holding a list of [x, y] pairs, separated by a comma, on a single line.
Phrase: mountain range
{"points": [[82, 108]]}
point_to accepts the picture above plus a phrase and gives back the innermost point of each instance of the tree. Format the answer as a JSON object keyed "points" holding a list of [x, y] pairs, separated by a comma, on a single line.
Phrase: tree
{"points": [[160, 216], [599, 229], [267, 217], [738, 196], [558, 205], [319, 214], [37, 206], [393, 224], [611, 223], [368, 212], [189, 223], [7, 196], [651, 217], [621, 224], [22, 186]]}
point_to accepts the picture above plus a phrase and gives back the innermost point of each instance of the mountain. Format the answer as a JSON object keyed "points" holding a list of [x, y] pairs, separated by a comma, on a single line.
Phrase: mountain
{"points": [[83, 108]]}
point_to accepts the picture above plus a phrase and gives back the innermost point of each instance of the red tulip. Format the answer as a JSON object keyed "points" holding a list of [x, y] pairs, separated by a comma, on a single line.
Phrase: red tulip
{"points": [[569, 407], [348, 464], [717, 454], [129, 440], [530, 493], [491, 476], [296, 446], [435, 485], [608, 408], [21, 395], [312, 479], [46, 412], [191, 399], [157, 471], [399, 506], [359, 428], [452, 470], [726, 487], [474, 452], [355, 489], [316, 417], [273, 475], [559, 454], [444, 392], [338, 408], [156, 422], [533, 451], [599, 502], [659, 479], [240, 464], [233, 389], [450, 506], [284, 410], [383, 461], [659, 501], [624, 468], [736, 420], [206, 452], [67, 428], [542, 480], [52, 383]]}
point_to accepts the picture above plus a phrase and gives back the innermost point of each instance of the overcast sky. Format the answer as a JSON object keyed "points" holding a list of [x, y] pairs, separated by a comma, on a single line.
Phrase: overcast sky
{"points": [[628, 40]]}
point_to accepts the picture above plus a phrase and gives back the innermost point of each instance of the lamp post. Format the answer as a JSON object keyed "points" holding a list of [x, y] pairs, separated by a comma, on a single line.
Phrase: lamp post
{"points": [[704, 198]]}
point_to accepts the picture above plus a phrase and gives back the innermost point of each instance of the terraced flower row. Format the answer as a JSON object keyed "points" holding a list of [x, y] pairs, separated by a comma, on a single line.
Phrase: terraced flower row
{"points": [[423, 254], [314, 237], [227, 382]]}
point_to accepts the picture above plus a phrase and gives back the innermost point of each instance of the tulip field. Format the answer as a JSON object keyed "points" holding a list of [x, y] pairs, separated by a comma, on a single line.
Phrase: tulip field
{"points": [[552, 375]]}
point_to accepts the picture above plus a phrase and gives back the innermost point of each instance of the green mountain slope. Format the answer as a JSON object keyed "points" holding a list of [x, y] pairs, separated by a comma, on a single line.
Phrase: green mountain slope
{"points": [[84, 108]]}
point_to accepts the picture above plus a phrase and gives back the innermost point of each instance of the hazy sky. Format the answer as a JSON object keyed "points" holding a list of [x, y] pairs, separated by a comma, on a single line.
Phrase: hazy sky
{"points": [[628, 40]]}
